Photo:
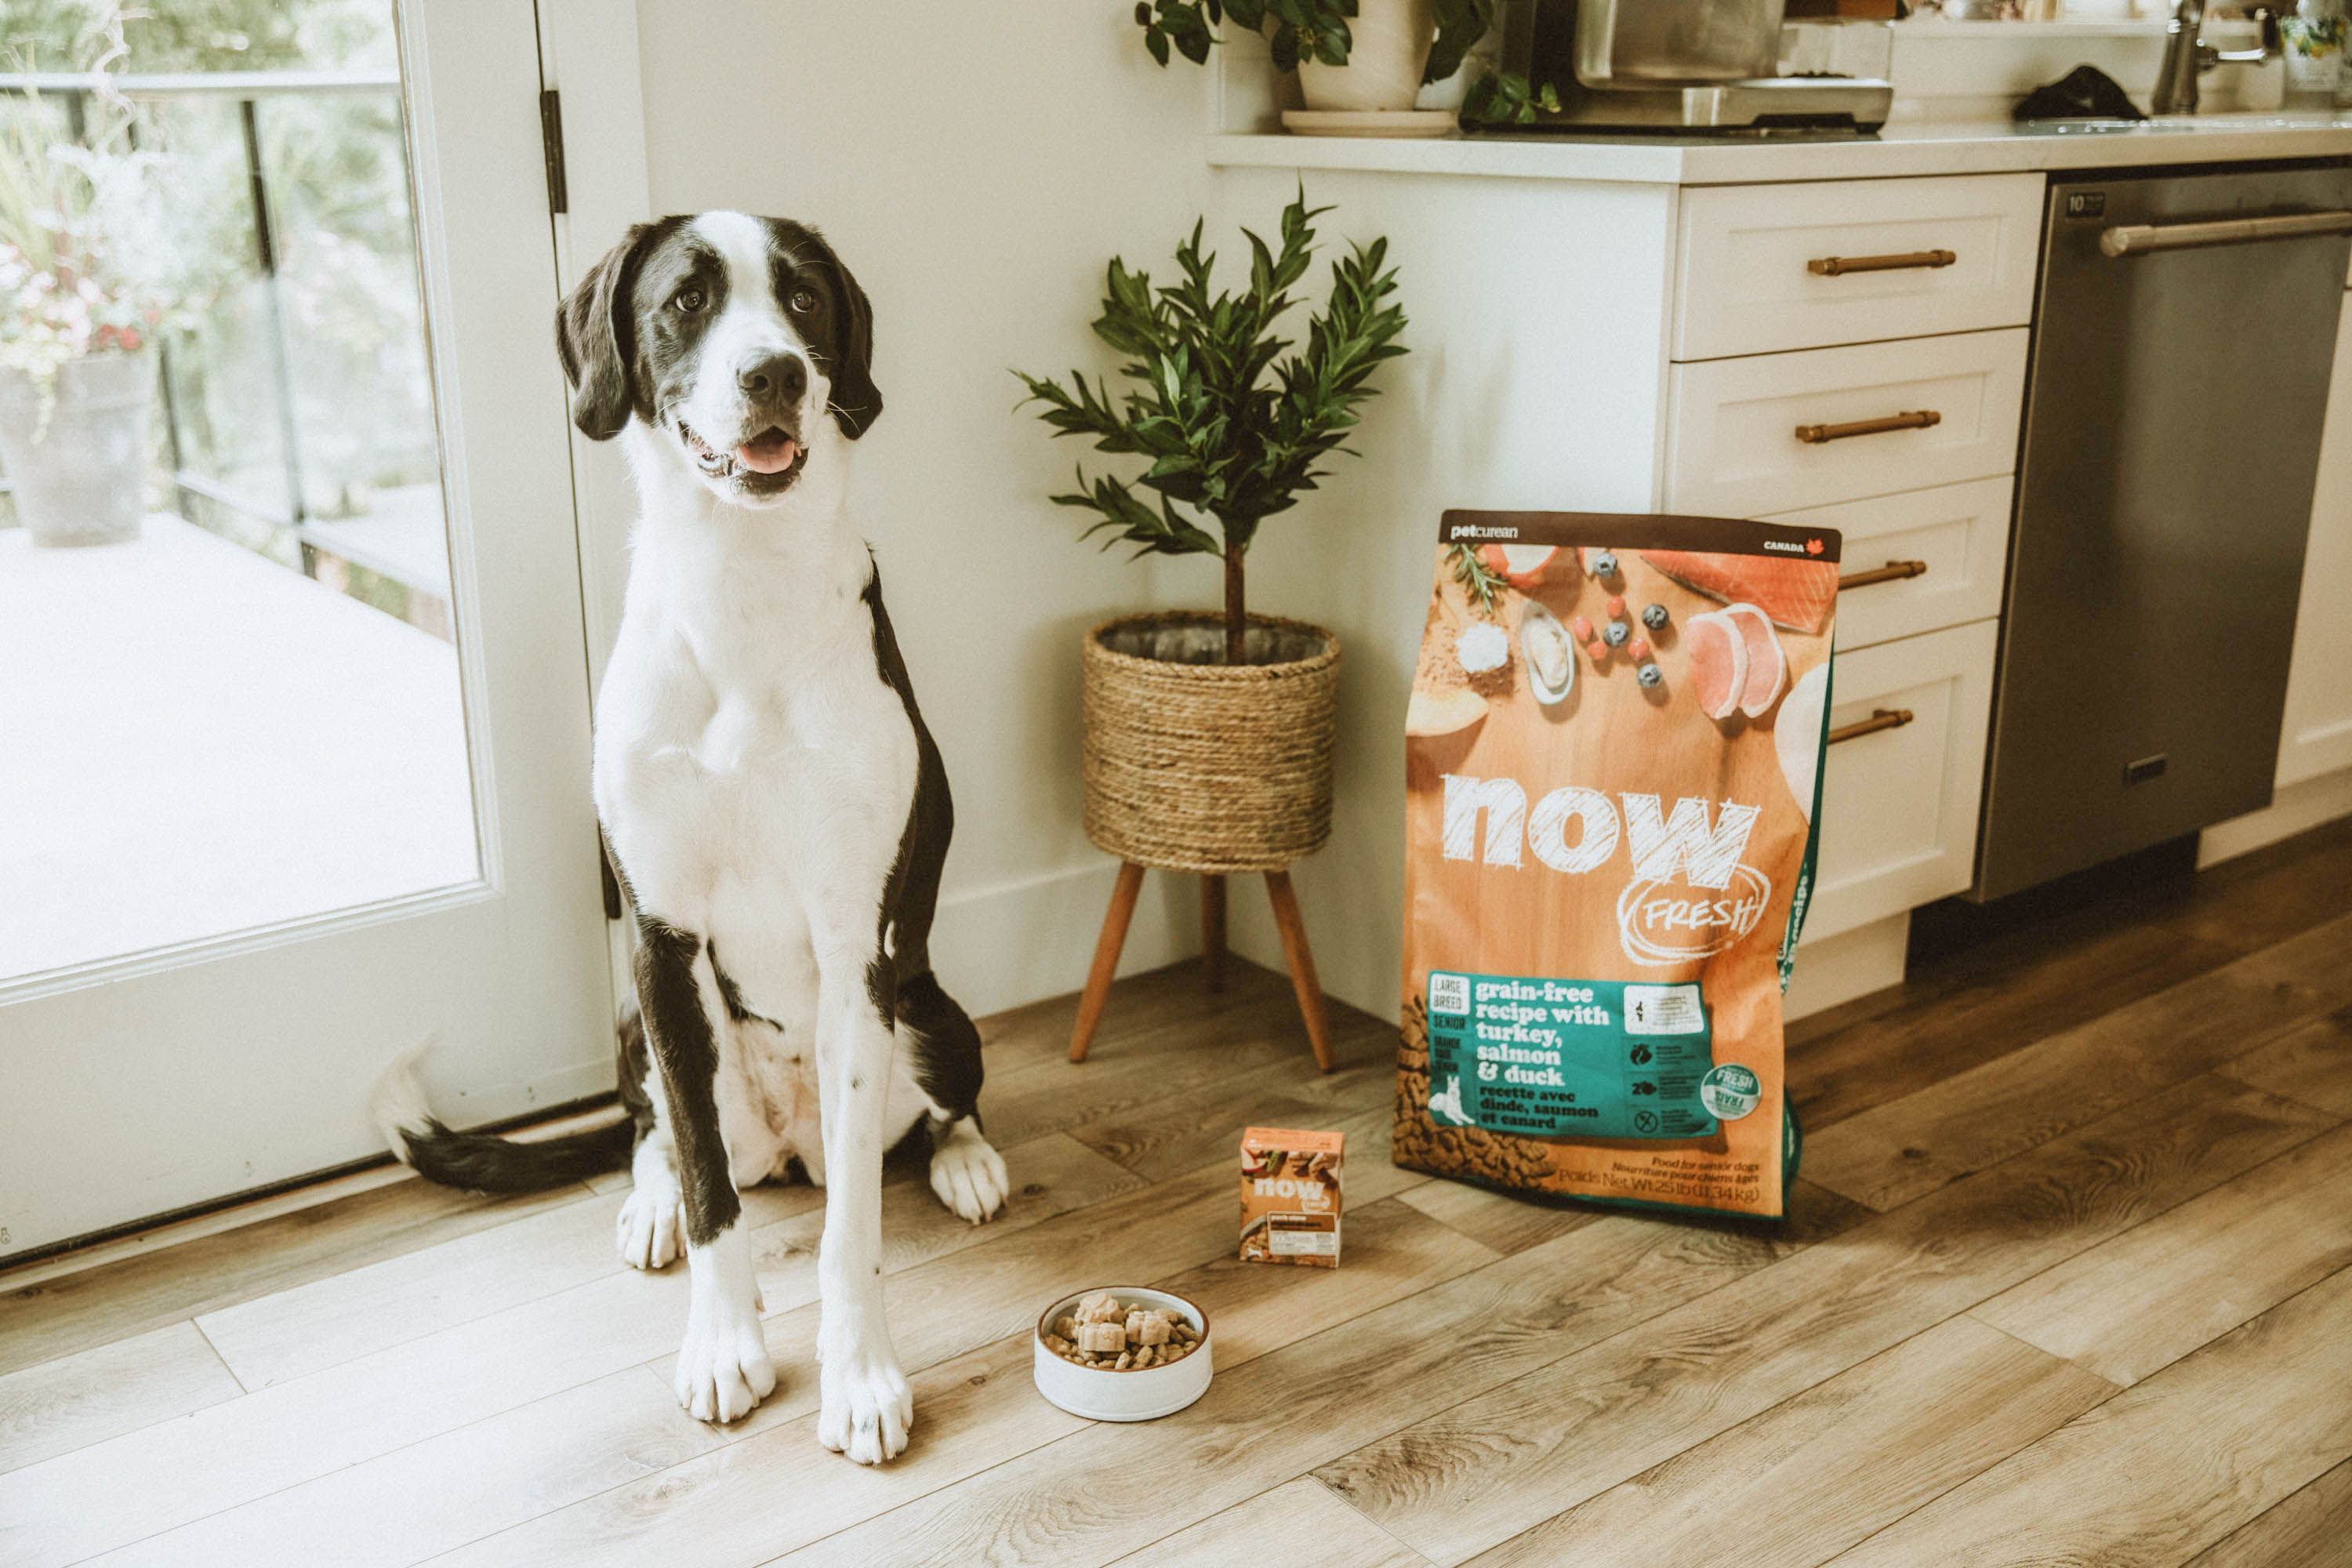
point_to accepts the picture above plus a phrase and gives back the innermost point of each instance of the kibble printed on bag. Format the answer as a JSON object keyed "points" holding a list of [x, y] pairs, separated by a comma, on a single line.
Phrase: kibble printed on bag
{"points": [[1613, 760]]}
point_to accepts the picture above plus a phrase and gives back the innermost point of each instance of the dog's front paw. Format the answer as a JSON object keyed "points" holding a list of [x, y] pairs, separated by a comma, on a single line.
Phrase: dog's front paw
{"points": [[867, 1409], [649, 1228], [968, 1174], [723, 1372]]}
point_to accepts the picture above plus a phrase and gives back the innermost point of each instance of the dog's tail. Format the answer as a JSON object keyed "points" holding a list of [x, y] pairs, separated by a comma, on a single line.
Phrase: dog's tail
{"points": [[482, 1162]]}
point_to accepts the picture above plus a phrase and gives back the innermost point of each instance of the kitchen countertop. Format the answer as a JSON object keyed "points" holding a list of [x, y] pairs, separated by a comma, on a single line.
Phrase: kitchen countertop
{"points": [[1919, 148]]}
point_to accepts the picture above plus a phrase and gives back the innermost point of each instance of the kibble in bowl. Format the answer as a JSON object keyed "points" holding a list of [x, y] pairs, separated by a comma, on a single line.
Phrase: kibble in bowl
{"points": [[1122, 1352]]}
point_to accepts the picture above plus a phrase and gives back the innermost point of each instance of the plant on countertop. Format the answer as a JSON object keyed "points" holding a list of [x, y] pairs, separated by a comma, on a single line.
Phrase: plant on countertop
{"points": [[1506, 98], [1234, 431], [1302, 30]]}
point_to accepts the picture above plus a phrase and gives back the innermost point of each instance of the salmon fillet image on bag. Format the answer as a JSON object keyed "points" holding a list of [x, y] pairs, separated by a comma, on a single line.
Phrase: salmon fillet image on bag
{"points": [[1612, 772]]}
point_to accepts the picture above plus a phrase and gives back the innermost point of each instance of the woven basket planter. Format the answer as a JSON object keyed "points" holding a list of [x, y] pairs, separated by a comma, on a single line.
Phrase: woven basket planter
{"points": [[1192, 764]]}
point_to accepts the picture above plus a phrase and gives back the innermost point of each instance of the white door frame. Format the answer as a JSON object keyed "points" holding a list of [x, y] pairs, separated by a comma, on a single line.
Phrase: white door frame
{"points": [[588, 54]]}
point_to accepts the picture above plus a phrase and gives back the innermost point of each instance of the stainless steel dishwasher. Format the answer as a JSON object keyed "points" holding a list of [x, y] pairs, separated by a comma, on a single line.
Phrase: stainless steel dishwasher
{"points": [[2181, 348]]}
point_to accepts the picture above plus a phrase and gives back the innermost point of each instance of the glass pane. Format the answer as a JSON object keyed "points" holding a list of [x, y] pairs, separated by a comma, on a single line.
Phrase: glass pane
{"points": [[230, 693]]}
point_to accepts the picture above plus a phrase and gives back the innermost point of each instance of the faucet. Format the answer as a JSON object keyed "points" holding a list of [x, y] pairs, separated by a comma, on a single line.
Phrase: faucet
{"points": [[2187, 55]]}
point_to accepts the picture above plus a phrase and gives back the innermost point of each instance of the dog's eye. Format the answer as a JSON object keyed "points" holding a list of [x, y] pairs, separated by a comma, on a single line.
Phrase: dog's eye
{"points": [[689, 299], [804, 300]]}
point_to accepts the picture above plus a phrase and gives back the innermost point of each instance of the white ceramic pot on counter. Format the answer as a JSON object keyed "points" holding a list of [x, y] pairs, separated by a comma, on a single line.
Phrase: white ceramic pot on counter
{"points": [[1388, 52]]}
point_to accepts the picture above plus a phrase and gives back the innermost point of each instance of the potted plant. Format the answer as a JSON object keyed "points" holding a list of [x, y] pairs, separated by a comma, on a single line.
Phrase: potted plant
{"points": [[1208, 735], [77, 311], [1351, 55]]}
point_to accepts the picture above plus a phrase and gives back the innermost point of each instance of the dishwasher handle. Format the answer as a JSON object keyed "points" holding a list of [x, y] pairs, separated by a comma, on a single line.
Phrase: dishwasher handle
{"points": [[2139, 239]]}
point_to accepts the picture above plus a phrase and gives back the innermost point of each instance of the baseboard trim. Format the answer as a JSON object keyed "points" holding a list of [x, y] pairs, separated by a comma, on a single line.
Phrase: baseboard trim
{"points": [[2294, 808], [141, 1237], [1854, 963]]}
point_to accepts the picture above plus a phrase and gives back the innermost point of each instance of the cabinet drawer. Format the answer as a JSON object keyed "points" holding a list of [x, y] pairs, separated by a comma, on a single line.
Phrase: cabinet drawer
{"points": [[1734, 447], [1948, 544], [1765, 267], [1899, 804]]}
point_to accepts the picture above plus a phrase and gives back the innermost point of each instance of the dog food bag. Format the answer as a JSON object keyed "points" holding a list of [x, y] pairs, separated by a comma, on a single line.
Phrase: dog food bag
{"points": [[1612, 774], [1290, 1196]]}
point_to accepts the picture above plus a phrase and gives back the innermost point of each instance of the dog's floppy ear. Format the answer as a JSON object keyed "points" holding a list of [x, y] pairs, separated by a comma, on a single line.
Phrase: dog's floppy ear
{"points": [[856, 402], [594, 338]]}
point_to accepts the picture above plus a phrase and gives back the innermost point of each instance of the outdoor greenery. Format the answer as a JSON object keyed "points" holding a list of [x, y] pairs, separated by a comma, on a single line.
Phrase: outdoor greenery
{"points": [[73, 276], [149, 201], [200, 35], [1233, 428], [180, 206], [1302, 30]]}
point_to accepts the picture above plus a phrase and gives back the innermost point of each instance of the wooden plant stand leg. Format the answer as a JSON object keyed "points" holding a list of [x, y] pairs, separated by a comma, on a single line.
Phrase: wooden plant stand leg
{"points": [[1302, 965], [1212, 931], [1114, 937]]}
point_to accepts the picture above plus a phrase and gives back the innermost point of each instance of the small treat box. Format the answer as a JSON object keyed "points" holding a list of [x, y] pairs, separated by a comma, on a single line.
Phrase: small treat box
{"points": [[1290, 1196]]}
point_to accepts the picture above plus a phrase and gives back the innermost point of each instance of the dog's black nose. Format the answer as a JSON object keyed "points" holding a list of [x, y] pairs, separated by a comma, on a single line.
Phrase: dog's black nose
{"points": [[781, 378]]}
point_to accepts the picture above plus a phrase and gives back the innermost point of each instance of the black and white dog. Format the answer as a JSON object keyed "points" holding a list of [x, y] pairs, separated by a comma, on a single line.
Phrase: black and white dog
{"points": [[775, 808]]}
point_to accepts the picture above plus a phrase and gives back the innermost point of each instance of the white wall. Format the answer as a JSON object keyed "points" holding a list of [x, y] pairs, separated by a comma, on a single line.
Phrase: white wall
{"points": [[1534, 379], [975, 165]]}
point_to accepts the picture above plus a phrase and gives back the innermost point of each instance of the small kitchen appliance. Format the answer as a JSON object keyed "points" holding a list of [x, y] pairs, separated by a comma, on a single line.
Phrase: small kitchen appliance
{"points": [[1678, 66]]}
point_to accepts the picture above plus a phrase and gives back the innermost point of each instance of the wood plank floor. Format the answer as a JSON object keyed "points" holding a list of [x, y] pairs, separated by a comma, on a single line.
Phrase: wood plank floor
{"points": [[2068, 1278]]}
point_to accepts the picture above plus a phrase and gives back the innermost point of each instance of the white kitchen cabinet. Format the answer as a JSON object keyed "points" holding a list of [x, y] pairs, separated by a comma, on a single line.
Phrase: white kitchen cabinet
{"points": [[1772, 433], [1950, 541], [1637, 326], [1899, 804], [2317, 735], [1765, 267]]}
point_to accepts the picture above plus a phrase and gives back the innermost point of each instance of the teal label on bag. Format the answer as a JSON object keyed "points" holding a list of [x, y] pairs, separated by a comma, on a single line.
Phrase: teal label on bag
{"points": [[1594, 1058]]}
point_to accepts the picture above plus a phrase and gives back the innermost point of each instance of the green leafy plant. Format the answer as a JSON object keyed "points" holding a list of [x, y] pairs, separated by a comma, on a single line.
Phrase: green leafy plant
{"points": [[1233, 428], [1460, 25], [1302, 30], [1505, 98]]}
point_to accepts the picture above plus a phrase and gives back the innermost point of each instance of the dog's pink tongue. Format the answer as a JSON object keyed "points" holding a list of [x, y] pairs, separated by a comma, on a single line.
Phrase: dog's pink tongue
{"points": [[772, 453]]}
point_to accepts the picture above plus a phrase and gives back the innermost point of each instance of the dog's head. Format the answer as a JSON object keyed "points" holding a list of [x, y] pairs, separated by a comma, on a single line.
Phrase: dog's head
{"points": [[730, 338]]}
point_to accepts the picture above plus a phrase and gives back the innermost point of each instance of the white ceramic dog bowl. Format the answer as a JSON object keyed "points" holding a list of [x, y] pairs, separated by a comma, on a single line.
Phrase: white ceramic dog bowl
{"points": [[1138, 1393]]}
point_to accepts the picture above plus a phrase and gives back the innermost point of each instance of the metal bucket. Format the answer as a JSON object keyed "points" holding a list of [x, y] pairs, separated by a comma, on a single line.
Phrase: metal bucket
{"points": [[80, 479]]}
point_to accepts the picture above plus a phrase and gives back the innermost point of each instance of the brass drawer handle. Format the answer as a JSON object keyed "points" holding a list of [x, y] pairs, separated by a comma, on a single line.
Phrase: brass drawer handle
{"points": [[1837, 266], [1892, 571], [1919, 420], [1880, 719]]}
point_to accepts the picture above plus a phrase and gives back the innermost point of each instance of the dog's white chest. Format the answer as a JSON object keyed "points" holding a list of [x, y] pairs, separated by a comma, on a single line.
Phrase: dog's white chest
{"points": [[753, 768]]}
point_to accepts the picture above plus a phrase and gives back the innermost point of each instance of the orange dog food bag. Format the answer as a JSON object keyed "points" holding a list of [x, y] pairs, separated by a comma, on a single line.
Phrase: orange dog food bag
{"points": [[1612, 773]]}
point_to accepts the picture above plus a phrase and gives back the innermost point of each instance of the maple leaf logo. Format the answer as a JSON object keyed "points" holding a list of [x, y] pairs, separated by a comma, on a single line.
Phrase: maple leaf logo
{"points": [[1812, 547]]}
